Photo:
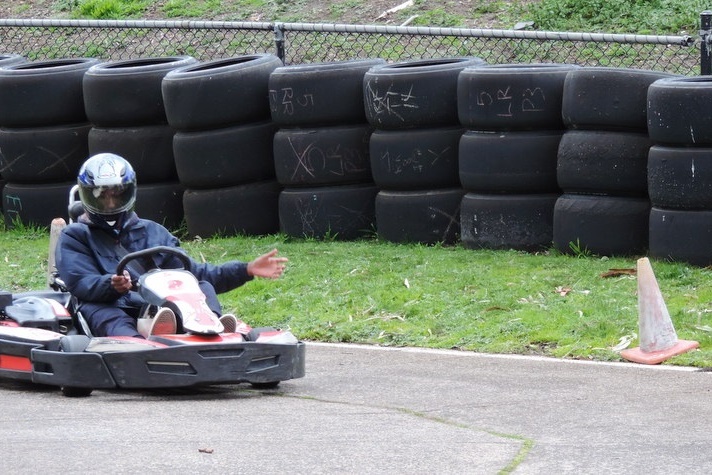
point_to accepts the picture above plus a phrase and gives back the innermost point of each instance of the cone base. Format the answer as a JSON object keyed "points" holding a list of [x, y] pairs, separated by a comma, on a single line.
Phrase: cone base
{"points": [[636, 355]]}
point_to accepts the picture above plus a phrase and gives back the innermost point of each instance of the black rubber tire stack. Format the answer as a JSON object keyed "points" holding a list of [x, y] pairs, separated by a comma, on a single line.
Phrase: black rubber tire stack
{"points": [[223, 144], [508, 154], [7, 60], [602, 163], [321, 151], [414, 149], [680, 169], [125, 106], [43, 136]]}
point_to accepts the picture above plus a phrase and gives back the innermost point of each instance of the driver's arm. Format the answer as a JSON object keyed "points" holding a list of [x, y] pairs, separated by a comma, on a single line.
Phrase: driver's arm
{"points": [[80, 270]]}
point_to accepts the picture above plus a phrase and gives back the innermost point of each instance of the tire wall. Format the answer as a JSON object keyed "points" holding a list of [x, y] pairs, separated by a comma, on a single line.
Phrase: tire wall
{"points": [[508, 154], [223, 144], [321, 149], [680, 170], [412, 106], [610, 161], [602, 162], [124, 104], [43, 136]]}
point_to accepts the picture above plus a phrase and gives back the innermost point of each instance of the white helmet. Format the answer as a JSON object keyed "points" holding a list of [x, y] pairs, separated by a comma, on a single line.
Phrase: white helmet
{"points": [[107, 185]]}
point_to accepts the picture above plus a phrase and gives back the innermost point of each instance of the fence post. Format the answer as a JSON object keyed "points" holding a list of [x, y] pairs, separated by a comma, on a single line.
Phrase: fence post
{"points": [[705, 32], [279, 40]]}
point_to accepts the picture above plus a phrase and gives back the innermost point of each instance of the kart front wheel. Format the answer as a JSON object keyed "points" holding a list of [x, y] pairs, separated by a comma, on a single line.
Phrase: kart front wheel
{"points": [[70, 391], [74, 343]]}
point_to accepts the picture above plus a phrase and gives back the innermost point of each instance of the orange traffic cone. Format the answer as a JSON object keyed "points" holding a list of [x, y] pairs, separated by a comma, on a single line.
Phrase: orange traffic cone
{"points": [[658, 339]]}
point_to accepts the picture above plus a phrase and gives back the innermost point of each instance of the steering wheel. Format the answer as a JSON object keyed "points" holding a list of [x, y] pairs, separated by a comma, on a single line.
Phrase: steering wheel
{"points": [[185, 260]]}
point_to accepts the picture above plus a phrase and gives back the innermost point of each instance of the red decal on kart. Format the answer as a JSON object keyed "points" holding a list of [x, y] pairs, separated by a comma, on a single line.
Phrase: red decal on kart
{"points": [[15, 363], [59, 309]]}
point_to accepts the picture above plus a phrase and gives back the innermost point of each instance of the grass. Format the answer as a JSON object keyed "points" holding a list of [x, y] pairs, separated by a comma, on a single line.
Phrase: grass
{"points": [[609, 16], [375, 292]]}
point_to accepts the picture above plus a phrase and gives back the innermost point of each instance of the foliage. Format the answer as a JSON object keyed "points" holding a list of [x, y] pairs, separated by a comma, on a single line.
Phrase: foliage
{"points": [[636, 16], [613, 16]]}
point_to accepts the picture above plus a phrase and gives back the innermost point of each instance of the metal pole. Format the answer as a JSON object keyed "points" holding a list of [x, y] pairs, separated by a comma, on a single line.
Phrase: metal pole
{"points": [[279, 40], [705, 32]]}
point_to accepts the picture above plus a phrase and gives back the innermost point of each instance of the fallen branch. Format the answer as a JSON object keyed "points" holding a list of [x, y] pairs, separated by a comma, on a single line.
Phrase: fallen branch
{"points": [[402, 6]]}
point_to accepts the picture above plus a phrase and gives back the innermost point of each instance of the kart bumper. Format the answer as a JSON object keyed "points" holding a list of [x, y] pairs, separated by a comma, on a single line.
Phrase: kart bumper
{"points": [[170, 367]]}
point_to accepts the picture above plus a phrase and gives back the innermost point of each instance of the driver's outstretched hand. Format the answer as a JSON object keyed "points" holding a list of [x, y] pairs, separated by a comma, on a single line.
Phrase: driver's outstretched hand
{"points": [[267, 265]]}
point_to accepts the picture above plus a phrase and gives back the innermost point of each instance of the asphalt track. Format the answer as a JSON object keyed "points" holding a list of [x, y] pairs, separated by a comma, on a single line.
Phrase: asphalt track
{"points": [[363, 410]]}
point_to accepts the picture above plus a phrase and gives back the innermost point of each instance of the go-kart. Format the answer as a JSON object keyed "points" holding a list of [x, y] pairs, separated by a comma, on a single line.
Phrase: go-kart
{"points": [[44, 339]]}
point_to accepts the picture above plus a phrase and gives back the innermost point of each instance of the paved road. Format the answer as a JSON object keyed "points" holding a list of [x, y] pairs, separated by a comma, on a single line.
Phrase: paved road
{"points": [[374, 410]]}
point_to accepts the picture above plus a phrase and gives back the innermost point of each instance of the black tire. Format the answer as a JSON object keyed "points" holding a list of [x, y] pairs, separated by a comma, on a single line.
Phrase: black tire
{"points": [[148, 148], [161, 202], [680, 177], [335, 212], [225, 157], [681, 235], [263, 386], [426, 217], [512, 96], [250, 209], [128, 92], [35, 205], [70, 391], [43, 154], [608, 98], [74, 344], [603, 162], [40, 93], [323, 155], [516, 221], [415, 159], [319, 94], [601, 225], [10, 59], [509, 162], [678, 111], [219, 93], [419, 93]]}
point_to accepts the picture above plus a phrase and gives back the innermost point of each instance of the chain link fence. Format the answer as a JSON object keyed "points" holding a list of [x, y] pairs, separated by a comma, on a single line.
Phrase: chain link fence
{"points": [[307, 43]]}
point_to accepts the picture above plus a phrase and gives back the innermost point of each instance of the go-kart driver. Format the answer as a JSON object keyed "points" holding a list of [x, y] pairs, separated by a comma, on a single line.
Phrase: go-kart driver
{"points": [[89, 250]]}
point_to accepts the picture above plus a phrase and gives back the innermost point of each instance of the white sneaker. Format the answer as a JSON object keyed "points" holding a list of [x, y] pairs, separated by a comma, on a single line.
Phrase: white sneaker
{"points": [[229, 323], [277, 336], [164, 323]]}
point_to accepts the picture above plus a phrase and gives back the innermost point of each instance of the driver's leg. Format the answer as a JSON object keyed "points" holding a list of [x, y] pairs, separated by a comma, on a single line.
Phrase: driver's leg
{"points": [[110, 321], [211, 298]]}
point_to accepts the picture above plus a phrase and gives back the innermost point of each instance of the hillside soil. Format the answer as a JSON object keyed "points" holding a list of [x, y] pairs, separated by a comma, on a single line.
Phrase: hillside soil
{"points": [[314, 11]]}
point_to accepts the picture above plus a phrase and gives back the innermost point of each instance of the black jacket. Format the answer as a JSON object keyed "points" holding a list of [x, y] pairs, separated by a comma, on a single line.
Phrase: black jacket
{"points": [[88, 253]]}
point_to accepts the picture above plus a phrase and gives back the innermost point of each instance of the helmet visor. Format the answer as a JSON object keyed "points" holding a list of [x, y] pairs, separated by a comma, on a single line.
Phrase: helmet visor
{"points": [[108, 200]]}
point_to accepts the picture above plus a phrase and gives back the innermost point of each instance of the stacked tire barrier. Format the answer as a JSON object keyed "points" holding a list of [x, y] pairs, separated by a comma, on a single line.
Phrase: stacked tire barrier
{"points": [[680, 169], [321, 152], [43, 136], [7, 60], [124, 104], [602, 163], [223, 144], [508, 154], [414, 149]]}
